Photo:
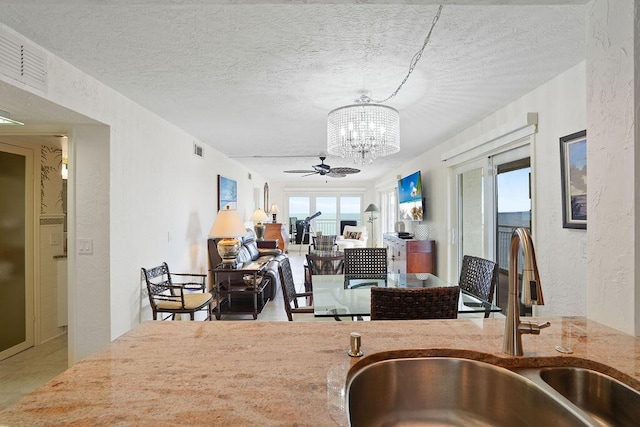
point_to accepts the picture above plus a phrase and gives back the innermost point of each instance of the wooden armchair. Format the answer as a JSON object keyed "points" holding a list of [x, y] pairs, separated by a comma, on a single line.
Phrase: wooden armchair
{"points": [[322, 262], [289, 293], [187, 296]]}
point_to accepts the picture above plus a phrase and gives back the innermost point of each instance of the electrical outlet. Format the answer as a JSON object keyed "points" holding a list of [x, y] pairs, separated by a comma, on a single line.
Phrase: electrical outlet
{"points": [[85, 246]]}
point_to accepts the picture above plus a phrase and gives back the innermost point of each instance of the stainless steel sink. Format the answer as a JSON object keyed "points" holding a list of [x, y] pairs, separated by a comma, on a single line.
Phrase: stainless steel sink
{"points": [[447, 391], [605, 399]]}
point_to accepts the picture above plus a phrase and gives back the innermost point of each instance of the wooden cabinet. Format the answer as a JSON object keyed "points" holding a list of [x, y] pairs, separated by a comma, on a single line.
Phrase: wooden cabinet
{"points": [[409, 255], [276, 231]]}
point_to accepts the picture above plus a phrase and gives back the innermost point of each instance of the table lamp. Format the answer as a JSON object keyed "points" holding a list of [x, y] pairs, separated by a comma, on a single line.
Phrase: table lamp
{"points": [[274, 211], [227, 227], [258, 217]]}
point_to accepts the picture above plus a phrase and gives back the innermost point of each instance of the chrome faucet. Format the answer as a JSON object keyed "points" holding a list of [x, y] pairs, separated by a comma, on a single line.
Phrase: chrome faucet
{"points": [[531, 293]]}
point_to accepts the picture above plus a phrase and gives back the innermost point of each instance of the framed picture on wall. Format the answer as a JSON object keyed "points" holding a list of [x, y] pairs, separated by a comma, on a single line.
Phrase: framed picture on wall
{"points": [[227, 193], [573, 167]]}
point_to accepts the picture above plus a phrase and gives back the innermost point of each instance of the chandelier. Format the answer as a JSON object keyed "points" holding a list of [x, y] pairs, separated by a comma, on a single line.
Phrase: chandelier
{"points": [[367, 129], [363, 131]]}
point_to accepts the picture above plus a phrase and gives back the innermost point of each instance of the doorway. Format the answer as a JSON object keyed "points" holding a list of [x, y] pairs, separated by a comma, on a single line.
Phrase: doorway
{"points": [[16, 249]]}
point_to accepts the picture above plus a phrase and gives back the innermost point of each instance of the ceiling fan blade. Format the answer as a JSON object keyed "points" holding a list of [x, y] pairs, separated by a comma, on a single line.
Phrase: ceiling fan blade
{"points": [[309, 174], [334, 174], [299, 171], [344, 170]]}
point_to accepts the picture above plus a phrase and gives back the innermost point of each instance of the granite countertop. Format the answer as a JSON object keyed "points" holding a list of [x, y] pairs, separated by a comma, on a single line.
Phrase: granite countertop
{"points": [[242, 373]]}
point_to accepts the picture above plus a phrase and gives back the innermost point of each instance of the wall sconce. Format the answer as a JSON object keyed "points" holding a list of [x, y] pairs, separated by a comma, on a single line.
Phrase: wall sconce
{"points": [[5, 119]]}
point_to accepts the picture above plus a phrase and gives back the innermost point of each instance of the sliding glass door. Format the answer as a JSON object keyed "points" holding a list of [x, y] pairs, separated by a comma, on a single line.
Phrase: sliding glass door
{"points": [[492, 198]]}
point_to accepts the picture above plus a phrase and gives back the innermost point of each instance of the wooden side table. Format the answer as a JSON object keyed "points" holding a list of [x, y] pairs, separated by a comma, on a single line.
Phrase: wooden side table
{"points": [[276, 230], [233, 296]]}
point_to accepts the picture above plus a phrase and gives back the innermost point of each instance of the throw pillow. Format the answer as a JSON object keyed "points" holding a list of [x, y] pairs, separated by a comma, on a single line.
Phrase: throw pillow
{"points": [[353, 235]]}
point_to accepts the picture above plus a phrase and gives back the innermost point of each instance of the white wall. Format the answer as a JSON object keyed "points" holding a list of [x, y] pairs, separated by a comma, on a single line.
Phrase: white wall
{"points": [[560, 104], [613, 105], [136, 191]]}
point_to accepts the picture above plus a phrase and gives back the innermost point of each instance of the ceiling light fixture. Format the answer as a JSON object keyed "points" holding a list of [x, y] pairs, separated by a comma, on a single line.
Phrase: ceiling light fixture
{"points": [[5, 119], [367, 129]]}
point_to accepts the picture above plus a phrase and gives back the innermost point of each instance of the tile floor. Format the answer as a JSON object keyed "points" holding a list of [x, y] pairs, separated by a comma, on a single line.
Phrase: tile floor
{"points": [[32, 368], [28, 370]]}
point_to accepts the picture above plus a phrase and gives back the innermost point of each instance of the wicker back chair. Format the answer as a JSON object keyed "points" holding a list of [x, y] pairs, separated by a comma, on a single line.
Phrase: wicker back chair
{"points": [[289, 293], [414, 303], [321, 262], [479, 277], [365, 262], [166, 296], [324, 243]]}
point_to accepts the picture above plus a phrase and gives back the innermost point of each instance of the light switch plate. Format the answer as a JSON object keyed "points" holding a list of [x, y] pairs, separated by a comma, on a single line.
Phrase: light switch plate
{"points": [[85, 246]]}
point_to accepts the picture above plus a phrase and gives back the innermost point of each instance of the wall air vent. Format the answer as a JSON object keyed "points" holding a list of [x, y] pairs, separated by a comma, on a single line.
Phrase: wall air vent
{"points": [[22, 60], [197, 150]]}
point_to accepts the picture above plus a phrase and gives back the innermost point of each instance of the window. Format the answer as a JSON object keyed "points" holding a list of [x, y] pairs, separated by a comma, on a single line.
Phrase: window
{"points": [[334, 208]]}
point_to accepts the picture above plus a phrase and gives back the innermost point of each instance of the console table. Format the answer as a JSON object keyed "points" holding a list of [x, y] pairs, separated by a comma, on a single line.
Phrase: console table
{"points": [[409, 255], [276, 231]]}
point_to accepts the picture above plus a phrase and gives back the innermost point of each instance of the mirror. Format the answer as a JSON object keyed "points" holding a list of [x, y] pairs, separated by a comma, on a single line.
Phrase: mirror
{"points": [[266, 197]]}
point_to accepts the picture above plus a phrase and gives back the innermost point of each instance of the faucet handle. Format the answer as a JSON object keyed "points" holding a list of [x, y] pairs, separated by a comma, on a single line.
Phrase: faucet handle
{"points": [[526, 327]]}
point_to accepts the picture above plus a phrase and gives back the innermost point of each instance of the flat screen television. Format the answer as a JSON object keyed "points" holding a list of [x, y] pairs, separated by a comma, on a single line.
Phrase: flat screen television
{"points": [[410, 197]]}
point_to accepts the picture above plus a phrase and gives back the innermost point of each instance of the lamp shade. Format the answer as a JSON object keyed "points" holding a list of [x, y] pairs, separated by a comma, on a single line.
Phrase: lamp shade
{"points": [[258, 216], [372, 208], [227, 224], [274, 209]]}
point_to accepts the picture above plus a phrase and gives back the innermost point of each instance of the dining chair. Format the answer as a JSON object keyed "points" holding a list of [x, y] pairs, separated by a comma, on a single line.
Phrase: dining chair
{"points": [[322, 262], [187, 295], [324, 243], [479, 277], [289, 293], [414, 303], [365, 262]]}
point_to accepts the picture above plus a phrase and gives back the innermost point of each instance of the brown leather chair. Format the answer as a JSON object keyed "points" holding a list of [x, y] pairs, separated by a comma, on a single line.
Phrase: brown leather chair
{"points": [[414, 303]]}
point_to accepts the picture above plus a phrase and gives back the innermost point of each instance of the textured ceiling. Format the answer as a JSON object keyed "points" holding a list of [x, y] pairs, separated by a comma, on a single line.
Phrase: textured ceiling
{"points": [[258, 78]]}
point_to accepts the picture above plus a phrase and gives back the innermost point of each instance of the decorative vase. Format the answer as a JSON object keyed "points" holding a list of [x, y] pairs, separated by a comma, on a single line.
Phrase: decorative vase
{"points": [[421, 232]]}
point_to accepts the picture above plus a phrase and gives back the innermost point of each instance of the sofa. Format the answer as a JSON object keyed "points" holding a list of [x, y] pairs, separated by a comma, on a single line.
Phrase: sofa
{"points": [[353, 236], [252, 250]]}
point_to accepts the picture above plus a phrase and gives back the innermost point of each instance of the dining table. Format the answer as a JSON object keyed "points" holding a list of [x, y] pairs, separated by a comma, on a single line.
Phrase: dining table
{"points": [[350, 296]]}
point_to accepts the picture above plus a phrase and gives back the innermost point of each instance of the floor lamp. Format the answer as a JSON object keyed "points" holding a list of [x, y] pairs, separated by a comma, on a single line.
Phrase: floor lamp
{"points": [[371, 209]]}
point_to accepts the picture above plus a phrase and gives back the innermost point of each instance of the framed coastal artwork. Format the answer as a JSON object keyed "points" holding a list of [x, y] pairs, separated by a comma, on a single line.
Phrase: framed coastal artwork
{"points": [[227, 193], [573, 167]]}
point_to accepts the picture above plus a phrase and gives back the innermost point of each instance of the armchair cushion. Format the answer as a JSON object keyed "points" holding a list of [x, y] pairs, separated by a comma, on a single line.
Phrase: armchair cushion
{"points": [[191, 301]]}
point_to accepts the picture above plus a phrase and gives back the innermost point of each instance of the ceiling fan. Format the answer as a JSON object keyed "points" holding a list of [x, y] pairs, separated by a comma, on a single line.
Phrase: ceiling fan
{"points": [[326, 170]]}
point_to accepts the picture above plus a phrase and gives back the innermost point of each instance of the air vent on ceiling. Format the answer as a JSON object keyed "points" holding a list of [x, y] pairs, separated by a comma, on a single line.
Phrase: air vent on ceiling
{"points": [[22, 61], [197, 150]]}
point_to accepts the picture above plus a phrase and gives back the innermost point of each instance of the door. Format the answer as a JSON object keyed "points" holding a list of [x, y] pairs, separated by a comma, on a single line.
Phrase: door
{"points": [[492, 196], [16, 249]]}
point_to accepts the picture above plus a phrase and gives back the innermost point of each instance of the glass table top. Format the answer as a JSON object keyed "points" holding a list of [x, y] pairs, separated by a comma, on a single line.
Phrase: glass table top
{"points": [[339, 295]]}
